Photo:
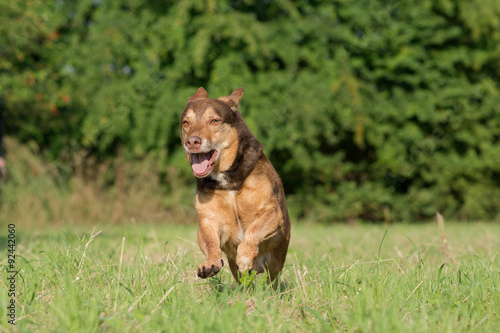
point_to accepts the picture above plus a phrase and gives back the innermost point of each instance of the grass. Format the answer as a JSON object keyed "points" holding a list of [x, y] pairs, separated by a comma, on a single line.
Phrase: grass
{"points": [[130, 278]]}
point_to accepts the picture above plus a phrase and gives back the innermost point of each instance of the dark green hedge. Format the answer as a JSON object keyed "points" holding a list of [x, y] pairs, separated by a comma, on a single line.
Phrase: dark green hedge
{"points": [[365, 107]]}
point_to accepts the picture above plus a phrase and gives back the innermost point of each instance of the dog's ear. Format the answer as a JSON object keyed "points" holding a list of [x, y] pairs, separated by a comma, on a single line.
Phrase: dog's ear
{"points": [[199, 94], [233, 100]]}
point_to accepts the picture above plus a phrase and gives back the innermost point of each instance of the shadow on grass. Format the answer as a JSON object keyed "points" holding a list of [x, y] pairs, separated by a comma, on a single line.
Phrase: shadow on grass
{"points": [[254, 284]]}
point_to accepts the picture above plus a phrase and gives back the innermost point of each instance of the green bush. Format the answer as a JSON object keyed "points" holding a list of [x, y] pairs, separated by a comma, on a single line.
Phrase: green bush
{"points": [[364, 107]]}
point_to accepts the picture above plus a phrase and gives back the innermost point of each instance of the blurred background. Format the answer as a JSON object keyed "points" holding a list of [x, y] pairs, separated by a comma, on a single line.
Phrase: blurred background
{"points": [[370, 110]]}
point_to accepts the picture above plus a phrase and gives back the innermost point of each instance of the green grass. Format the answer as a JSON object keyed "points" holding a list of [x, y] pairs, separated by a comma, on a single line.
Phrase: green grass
{"points": [[337, 278]]}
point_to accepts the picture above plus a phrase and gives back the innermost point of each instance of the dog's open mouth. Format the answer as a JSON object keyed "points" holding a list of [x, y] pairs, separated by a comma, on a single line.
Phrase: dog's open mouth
{"points": [[202, 163]]}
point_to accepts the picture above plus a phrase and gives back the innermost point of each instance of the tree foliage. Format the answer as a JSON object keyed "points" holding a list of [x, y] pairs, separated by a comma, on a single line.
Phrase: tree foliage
{"points": [[364, 107]]}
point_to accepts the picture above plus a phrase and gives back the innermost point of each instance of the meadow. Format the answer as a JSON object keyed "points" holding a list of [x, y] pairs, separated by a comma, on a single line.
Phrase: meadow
{"points": [[359, 278]]}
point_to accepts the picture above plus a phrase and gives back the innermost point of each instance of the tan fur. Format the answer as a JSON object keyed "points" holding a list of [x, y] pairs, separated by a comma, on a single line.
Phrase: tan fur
{"points": [[250, 224], [229, 153]]}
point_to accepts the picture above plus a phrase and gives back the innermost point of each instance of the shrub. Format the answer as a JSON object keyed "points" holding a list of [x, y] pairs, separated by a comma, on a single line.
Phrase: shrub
{"points": [[364, 107]]}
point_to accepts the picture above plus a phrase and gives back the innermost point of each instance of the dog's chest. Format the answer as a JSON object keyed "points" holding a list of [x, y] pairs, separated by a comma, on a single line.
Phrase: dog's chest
{"points": [[232, 233]]}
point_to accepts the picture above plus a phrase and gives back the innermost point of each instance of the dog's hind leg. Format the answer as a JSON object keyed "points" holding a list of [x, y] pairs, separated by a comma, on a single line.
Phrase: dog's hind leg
{"points": [[275, 264], [234, 268], [273, 269]]}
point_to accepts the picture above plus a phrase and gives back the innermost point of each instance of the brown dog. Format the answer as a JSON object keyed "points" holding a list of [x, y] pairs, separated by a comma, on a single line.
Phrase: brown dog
{"points": [[240, 199]]}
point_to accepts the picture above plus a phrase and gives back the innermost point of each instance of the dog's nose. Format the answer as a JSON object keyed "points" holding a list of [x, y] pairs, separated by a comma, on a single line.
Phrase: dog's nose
{"points": [[193, 142]]}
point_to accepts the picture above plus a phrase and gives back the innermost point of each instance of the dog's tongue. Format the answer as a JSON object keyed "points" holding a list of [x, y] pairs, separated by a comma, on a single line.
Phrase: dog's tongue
{"points": [[199, 162]]}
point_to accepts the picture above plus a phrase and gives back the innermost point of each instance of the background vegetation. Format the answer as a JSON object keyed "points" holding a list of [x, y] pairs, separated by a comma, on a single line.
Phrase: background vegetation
{"points": [[369, 109]]}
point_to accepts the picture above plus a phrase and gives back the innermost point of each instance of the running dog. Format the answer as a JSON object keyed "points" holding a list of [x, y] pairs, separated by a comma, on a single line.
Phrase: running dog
{"points": [[240, 200]]}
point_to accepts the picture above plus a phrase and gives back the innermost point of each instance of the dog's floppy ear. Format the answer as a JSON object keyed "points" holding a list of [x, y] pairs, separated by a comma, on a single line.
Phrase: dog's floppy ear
{"points": [[233, 100], [199, 94]]}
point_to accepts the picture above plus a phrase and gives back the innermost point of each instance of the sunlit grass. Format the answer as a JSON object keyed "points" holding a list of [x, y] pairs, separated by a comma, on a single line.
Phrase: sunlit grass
{"points": [[337, 278]]}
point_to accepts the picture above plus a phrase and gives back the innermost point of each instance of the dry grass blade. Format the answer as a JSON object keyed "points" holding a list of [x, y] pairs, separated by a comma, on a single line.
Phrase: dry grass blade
{"points": [[387, 216], [137, 301], [119, 275], [163, 299], [92, 236], [444, 240], [414, 290]]}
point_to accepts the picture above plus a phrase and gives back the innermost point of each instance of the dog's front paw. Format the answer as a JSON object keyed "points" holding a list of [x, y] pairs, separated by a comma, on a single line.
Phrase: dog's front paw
{"points": [[244, 263], [210, 268]]}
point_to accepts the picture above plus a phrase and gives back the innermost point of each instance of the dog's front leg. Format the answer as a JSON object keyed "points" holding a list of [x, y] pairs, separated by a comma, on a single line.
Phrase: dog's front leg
{"points": [[209, 241], [262, 229]]}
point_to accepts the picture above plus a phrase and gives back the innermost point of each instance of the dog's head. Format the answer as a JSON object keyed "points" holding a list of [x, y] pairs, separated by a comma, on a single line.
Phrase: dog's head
{"points": [[209, 132]]}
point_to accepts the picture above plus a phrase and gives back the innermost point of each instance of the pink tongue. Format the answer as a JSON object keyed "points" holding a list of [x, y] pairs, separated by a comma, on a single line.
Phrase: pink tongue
{"points": [[199, 162]]}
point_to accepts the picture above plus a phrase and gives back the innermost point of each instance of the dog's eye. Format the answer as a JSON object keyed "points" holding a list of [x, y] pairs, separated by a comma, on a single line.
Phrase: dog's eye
{"points": [[214, 121], [185, 123]]}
